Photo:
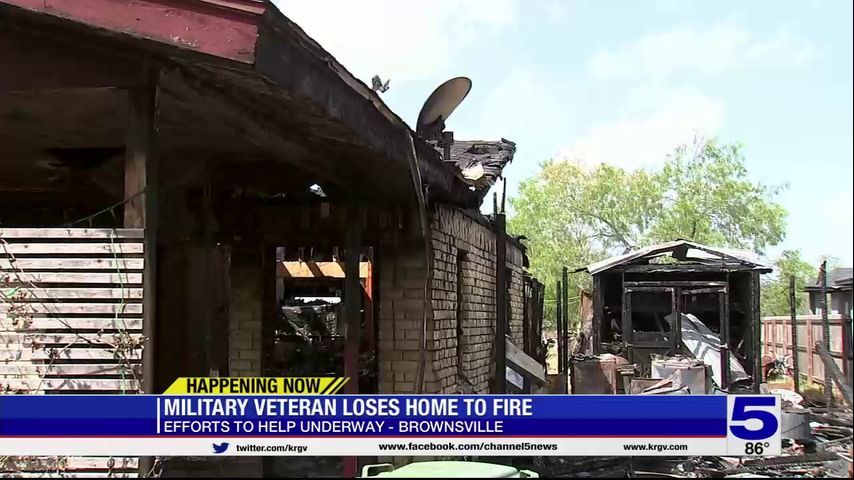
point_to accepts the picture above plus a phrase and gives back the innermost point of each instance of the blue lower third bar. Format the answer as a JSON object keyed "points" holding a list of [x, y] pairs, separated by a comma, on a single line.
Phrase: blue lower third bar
{"points": [[367, 416]]}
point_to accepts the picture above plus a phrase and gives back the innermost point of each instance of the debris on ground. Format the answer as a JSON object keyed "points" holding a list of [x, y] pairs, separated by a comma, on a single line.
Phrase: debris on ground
{"points": [[822, 449]]}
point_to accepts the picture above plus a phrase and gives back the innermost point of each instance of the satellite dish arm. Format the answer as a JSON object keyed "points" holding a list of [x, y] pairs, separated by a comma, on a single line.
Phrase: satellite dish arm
{"points": [[433, 130]]}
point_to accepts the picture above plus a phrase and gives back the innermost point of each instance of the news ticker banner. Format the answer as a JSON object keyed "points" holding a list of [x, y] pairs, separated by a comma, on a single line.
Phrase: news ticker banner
{"points": [[288, 423]]}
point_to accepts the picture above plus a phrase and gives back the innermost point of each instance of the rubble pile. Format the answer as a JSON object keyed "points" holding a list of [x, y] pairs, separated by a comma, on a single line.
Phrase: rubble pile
{"points": [[578, 467], [817, 439], [826, 452]]}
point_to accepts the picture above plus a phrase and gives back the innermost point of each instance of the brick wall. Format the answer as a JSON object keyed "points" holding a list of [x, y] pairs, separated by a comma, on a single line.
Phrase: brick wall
{"points": [[244, 350], [454, 363], [470, 368], [516, 294], [401, 292], [244, 322]]}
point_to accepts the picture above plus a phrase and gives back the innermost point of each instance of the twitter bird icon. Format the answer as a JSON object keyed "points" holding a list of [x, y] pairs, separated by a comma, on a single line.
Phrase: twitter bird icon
{"points": [[220, 448]]}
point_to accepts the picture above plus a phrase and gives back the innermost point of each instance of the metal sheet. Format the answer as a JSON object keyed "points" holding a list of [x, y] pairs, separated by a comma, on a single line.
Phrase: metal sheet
{"points": [[691, 374], [514, 378], [795, 425], [703, 344]]}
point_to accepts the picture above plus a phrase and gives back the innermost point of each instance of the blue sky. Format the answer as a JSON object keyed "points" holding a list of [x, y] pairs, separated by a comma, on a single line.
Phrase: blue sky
{"points": [[624, 82]]}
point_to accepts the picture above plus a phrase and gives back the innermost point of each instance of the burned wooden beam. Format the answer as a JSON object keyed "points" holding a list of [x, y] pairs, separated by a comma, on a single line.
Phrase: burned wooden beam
{"points": [[831, 371], [39, 62], [500, 303], [793, 311], [352, 314], [687, 268], [825, 330], [312, 269], [141, 210]]}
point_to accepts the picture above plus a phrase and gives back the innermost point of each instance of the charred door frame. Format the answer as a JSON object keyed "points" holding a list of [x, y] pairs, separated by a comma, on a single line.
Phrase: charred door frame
{"points": [[678, 289]]}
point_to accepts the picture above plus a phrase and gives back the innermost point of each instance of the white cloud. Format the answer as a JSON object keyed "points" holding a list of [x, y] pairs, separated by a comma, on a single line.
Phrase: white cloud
{"points": [[720, 47], [525, 99], [654, 123], [399, 40], [555, 11]]}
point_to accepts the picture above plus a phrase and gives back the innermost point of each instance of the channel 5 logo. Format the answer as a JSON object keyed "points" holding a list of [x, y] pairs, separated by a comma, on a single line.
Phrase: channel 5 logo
{"points": [[754, 417]]}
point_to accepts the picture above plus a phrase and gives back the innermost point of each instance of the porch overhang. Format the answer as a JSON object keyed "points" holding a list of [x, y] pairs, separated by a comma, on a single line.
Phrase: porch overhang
{"points": [[244, 81]]}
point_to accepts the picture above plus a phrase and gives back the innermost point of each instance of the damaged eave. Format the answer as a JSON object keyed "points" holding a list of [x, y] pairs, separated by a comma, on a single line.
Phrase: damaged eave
{"points": [[686, 255], [323, 81], [480, 163], [443, 184], [688, 268], [224, 30]]}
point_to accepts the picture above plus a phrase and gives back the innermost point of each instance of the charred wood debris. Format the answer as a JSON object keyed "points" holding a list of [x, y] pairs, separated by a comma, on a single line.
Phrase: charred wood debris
{"points": [[817, 437]]}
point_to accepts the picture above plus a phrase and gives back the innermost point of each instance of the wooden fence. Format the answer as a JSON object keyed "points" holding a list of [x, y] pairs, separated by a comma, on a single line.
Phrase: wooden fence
{"points": [[777, 340], [70, 322]]}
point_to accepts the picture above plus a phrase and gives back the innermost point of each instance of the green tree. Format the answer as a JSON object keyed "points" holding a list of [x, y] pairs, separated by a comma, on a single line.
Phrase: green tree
{"points": [[775, 289], [573, 215]]}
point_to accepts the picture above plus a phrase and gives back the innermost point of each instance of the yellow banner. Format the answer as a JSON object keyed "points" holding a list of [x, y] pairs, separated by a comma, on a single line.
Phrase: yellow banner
{"points": [[256, 386]]}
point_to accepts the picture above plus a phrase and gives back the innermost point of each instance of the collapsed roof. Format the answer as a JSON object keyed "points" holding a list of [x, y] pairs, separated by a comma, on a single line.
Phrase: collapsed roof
{"points": [[480, 163], [683, 252]]}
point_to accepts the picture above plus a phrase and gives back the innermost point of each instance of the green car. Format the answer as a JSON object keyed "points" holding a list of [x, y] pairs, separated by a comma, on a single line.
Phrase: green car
{"points": [[449, 469]]}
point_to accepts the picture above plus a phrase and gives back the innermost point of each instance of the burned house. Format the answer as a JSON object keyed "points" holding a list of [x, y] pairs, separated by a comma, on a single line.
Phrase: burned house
{"points": [[680, 298], [839, 288], [183, 179]]}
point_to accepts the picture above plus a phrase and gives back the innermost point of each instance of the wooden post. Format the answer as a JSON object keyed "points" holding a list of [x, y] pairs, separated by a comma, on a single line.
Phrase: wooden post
{"points": [[675, 329], [565, 337], [825, 332], [793, 313], [500, 303], [833, 370], [526, 318], [847, 358], [725, 334], [352, 302], [598, 307], [352, 315], [141, 211], [626, 320], [809, 347], [370, 330], [755, 328], [559, 325]]}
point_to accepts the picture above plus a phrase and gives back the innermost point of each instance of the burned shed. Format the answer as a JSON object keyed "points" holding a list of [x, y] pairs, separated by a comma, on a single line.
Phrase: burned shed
{"points": [[681, 298]]}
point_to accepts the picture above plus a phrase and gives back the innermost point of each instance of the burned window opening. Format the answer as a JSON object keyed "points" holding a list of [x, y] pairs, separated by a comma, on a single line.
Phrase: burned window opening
{"points": [[649, 311], [309, 332], [704, 306]]}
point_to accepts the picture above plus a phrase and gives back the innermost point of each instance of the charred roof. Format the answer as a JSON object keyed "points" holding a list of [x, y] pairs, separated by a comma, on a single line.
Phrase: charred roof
{"points": [[480, 163], [837, 279], [679, 254]]}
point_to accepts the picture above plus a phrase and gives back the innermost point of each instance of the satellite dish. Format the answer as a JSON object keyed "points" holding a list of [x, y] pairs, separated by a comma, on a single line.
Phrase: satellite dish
{"points": [[439, 106]]}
